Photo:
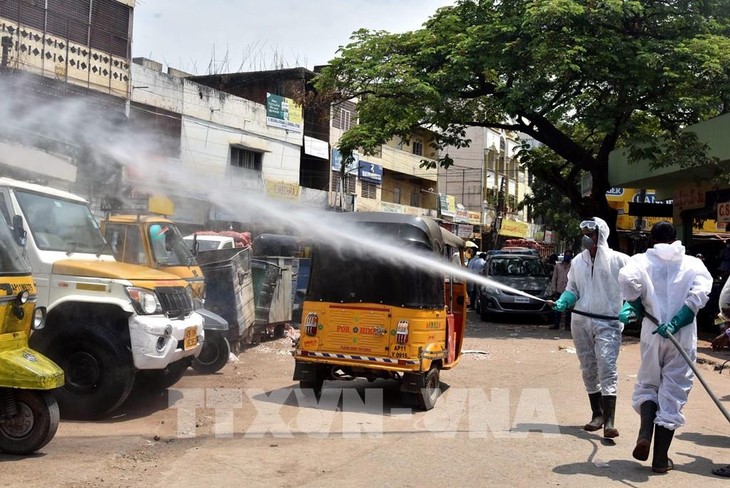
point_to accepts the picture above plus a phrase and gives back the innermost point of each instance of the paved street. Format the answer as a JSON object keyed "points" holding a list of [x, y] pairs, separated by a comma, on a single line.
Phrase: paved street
{"points": [[511, 416]]}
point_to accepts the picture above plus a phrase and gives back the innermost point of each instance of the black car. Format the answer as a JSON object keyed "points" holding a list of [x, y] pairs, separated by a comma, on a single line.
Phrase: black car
{"points": [[523, 272]]}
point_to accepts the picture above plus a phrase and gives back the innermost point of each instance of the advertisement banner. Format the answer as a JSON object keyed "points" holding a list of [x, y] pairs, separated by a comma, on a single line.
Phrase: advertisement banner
{"points": [[723, 213], [336, 161], [283, 113]]}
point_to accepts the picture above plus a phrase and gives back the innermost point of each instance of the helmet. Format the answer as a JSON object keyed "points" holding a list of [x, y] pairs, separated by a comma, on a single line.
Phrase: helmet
{"points": [[471, 244]]}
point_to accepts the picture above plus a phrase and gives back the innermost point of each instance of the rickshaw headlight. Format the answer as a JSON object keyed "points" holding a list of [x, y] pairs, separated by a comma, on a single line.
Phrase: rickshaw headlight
{"points": [[310, 324], [23, 297], [39, 318]]}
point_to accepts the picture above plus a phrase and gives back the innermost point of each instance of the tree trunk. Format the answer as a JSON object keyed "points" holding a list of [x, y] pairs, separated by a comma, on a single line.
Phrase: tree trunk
{"points": [[597, 205]]}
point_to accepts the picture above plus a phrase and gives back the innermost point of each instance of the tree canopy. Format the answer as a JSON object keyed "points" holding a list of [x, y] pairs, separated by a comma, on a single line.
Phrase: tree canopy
{"points": [[581, 77]]}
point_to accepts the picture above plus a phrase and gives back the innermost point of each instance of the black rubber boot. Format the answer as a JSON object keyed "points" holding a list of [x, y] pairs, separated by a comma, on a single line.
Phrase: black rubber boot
{"points": [[597, 421], [643, 443], [609, 412], [662, 440]]}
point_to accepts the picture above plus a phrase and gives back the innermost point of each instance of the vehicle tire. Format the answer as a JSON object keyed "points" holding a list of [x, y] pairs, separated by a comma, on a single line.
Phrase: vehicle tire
{"points": [[484, 314], [34, 426], [214, 354], [98, 371], [431, 390], [162, 379]]}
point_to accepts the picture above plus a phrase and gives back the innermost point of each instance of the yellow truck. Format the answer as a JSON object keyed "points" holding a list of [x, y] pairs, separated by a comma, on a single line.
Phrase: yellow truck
{"points": [[155, 241], [109, 324]]}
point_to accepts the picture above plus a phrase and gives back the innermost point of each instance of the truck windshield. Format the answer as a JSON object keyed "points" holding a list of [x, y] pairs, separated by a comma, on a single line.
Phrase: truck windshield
{"points": [[168, 246], [60, 225], [11, 262]]}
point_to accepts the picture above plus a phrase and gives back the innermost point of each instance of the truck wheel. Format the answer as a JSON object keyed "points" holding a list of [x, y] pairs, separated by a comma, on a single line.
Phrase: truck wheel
{"points": [[214, 354], [35, 424], [430, 391], [161, 379], [98, 371]]}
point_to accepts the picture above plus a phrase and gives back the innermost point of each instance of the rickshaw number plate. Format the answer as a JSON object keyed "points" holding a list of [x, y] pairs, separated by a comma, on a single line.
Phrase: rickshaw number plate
{"points": [[309, 343], [191, 338], [522, 300]]}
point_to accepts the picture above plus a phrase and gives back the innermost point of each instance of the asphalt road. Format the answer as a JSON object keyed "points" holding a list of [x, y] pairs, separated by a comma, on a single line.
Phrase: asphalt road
{"points": [[510, 416]]}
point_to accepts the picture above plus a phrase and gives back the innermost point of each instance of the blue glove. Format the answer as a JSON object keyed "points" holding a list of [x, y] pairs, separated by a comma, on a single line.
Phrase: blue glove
{"points": [[631, 311], [685, 316], [566, 301]]}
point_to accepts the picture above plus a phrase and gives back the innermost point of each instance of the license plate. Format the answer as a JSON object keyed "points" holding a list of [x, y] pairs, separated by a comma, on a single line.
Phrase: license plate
{"points": [[191, 338], [522, 300]]}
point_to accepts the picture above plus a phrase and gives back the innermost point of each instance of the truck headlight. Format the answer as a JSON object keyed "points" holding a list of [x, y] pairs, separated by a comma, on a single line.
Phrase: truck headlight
{"points": [[145, 301]]}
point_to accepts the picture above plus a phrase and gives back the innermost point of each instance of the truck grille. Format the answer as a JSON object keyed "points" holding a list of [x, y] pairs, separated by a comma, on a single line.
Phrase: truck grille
{"points": [[175, 301]]}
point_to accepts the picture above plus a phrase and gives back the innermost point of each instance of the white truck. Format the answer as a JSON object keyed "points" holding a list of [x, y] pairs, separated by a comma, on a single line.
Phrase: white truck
{"points": [[108, 323]]}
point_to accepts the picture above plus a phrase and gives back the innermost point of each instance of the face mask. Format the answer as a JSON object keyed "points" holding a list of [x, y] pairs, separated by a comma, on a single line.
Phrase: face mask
{"points": [[566, 259], [587, 242]]}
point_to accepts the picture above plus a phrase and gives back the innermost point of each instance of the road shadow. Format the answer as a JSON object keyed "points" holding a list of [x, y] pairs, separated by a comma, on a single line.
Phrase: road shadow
{"points": [[333, 396], [11, 458], [706, 440]]}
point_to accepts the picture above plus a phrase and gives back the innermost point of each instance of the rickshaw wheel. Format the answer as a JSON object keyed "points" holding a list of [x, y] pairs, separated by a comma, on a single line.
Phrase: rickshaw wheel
{"points": [[431, 390], [214, 355], [34, 425]]}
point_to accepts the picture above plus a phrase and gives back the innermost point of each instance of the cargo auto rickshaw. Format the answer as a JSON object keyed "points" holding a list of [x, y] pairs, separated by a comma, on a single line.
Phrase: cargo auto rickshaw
{"points": [[29, 414], [369, 315]]}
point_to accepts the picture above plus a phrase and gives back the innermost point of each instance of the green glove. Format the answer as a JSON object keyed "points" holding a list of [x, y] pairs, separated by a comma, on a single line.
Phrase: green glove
{"points": [[685, 316], [631, 311], [566, 301]]}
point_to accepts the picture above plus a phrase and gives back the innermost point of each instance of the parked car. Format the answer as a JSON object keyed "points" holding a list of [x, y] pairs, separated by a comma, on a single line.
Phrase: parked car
{"points": [[209, 243], [524, 272]]}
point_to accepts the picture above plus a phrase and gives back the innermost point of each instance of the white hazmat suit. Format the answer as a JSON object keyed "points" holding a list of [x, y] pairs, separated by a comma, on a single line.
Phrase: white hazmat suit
{"points": [[594, 281], [666, 280]]}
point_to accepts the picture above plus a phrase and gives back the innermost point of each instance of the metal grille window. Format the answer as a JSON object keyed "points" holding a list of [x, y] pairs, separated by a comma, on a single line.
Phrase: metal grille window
{"points": [[107, 30], [369, 190], [417, 147], [245, 158], [344, 116], [350, 182], [396, 195]]}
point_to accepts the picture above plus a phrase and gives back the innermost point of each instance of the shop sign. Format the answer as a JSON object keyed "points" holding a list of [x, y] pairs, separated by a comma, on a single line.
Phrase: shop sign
{"points": [[723, 213]]}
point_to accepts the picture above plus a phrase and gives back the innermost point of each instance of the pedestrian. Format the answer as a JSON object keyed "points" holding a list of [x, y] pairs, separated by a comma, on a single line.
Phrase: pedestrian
{"points": [[475, 265], [592, 290], [671, 287], [724, 257], [558, 283], [719, 343]]}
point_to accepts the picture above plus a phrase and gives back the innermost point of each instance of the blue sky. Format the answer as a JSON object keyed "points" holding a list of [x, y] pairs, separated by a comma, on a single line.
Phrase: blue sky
{"points": [[248, 35]]}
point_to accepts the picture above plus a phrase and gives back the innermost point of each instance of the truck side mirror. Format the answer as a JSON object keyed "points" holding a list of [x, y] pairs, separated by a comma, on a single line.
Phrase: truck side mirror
{"points": [[19, 231]]}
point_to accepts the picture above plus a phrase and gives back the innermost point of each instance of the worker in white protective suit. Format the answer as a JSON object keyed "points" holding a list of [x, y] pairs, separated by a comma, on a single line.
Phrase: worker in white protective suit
{"points": [[592, 289], [664, 284]]}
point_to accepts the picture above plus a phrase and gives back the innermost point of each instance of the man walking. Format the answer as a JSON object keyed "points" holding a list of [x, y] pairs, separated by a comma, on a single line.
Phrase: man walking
{"points": [[558, 283], [664, 284], [593, 290]]}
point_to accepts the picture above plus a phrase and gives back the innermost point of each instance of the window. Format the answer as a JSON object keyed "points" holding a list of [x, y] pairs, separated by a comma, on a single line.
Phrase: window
{"points": [[344, 116], [350, 181], [416, 198], [245, 158], [396, 195], [491, 160], [369, 189], [417, 147]]}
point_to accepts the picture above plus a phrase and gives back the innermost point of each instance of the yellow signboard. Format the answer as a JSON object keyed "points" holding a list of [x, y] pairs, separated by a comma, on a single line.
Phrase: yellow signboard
{"points": [[619, 198], [512, 228]]}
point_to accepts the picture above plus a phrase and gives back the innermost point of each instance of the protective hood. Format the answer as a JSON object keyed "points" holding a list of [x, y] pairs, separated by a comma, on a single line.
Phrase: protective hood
{"points": [[603, 232], [668, 252]]}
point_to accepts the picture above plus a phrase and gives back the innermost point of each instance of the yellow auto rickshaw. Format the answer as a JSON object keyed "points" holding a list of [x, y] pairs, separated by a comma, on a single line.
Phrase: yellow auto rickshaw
{"points": [[371, 316], [29, 414]]}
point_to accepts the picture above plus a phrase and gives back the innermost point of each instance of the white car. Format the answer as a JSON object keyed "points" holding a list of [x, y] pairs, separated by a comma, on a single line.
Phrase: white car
{"points": [[210, 243]]}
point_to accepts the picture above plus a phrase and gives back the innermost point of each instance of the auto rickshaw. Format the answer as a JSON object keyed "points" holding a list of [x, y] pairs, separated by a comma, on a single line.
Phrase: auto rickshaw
{"points": [[372, 316], [29, 414]]}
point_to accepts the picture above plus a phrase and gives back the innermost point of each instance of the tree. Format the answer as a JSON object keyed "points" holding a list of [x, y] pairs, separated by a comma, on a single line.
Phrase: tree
{"points": [[580, 76]]}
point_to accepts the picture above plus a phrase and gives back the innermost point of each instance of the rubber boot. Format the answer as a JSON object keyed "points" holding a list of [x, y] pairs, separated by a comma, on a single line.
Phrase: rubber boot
{"points": [[662, 440], [597, 422], [609, 411], [643, 442]]}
